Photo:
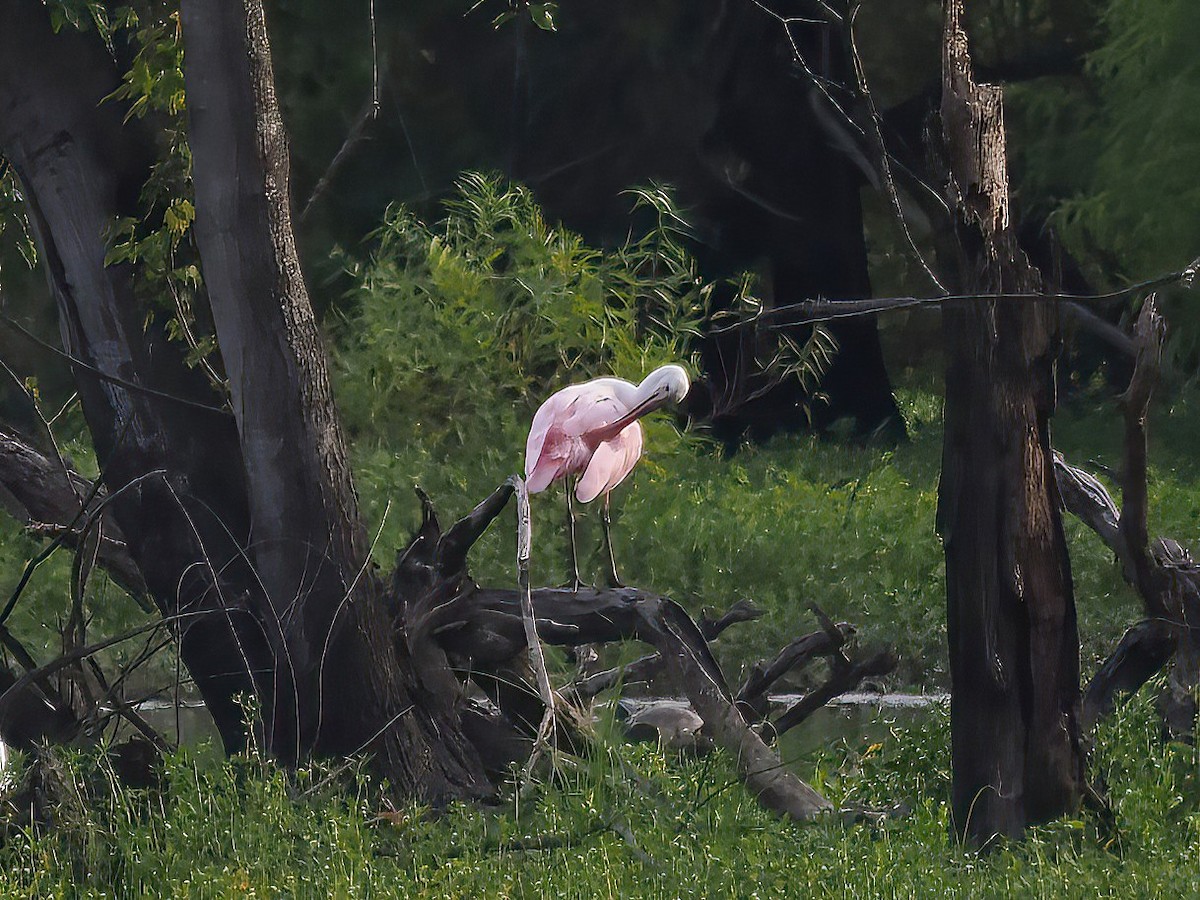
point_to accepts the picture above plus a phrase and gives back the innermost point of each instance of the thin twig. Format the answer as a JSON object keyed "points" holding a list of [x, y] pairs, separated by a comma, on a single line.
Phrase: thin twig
{"points": [[808, 312], [823, 85], [369, 114], [46, 426], [104, 376], [32, 564], [536, 659], [885, 165], [346, 598]]}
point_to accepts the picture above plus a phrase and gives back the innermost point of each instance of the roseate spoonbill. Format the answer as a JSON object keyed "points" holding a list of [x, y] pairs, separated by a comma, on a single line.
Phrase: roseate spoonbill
{"points": [[591, 430]]}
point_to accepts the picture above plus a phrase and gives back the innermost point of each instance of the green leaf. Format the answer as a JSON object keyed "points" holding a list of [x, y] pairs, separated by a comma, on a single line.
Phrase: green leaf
{"points": [[543, 15], [179, 216]]}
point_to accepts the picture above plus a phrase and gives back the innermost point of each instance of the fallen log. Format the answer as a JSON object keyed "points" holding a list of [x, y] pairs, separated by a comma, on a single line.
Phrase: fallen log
{"points": [[464, 637]]}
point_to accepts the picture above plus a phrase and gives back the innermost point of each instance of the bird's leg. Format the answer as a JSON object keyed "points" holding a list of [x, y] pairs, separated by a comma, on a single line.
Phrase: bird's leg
{"points": [[612, 560], [575, 581]]}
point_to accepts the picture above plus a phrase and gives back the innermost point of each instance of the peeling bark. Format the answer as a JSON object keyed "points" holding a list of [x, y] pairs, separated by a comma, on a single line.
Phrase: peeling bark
{"points": [[1014, 647]]}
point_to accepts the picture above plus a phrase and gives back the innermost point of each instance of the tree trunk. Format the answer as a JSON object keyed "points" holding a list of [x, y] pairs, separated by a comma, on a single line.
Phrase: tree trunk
{"points": [[244, 526], [342, 685], [1014, 647], [783, 183], [168, 451]]}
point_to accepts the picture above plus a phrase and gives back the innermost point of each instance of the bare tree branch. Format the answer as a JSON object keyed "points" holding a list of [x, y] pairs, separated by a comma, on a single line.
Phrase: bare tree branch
{"points": [[45, 498]]}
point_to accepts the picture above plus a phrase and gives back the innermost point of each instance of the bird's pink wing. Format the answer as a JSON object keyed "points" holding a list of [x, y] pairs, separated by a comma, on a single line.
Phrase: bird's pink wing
{"points": [[564, 432], [546, 454], [594, 406], [537, 434], [611, 463]]}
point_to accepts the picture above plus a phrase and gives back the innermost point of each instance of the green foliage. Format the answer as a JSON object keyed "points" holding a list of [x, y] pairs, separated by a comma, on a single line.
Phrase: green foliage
{"points": [[14, 223], [466, 323], [84, 15], [1141, 202], [799, 520], [159, 240], [458, 330], [154, 82], [1113, 155], [541, 14]]}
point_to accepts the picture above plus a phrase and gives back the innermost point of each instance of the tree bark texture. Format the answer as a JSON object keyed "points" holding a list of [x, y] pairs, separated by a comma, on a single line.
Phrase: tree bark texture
{"points": [[243, 526], [1014, 647], [342, 684], [168, 451]]}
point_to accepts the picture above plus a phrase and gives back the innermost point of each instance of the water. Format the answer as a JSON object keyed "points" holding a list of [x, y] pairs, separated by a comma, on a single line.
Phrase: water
{"points": [[191, 717], [858, 719]]}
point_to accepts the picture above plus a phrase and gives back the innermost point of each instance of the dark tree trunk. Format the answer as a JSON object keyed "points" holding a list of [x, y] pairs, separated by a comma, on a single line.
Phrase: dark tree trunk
{"points": [[168, 450], [244, 526], [1014, 647], [784, 174], [343, 685], [1161, 570]]}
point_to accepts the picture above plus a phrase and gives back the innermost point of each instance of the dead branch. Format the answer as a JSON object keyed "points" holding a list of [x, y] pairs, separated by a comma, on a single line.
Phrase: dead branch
{"points": [[1161, 571], [752, 696], [44, 497], [1140, 654], [1148, 337], [644, 669], [741, 611], [483, 633], [1088, 500], [487, 631], [845, 676]]}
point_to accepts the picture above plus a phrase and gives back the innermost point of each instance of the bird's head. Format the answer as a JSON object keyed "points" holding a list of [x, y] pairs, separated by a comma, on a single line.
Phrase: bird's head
{"points": [[666, 384]]}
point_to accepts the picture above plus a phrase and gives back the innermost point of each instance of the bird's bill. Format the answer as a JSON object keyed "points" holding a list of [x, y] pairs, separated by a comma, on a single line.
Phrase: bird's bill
{"points": [[656, 400]]}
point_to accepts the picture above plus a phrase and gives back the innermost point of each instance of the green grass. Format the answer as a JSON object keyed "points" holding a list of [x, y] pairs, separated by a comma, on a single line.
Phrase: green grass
{"points": [[800, 520], [796, 521], [681, 828]]}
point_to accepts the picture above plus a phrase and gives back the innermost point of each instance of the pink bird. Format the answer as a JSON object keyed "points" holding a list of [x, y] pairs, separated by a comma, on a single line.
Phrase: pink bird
{"points": [[591, 429]]}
